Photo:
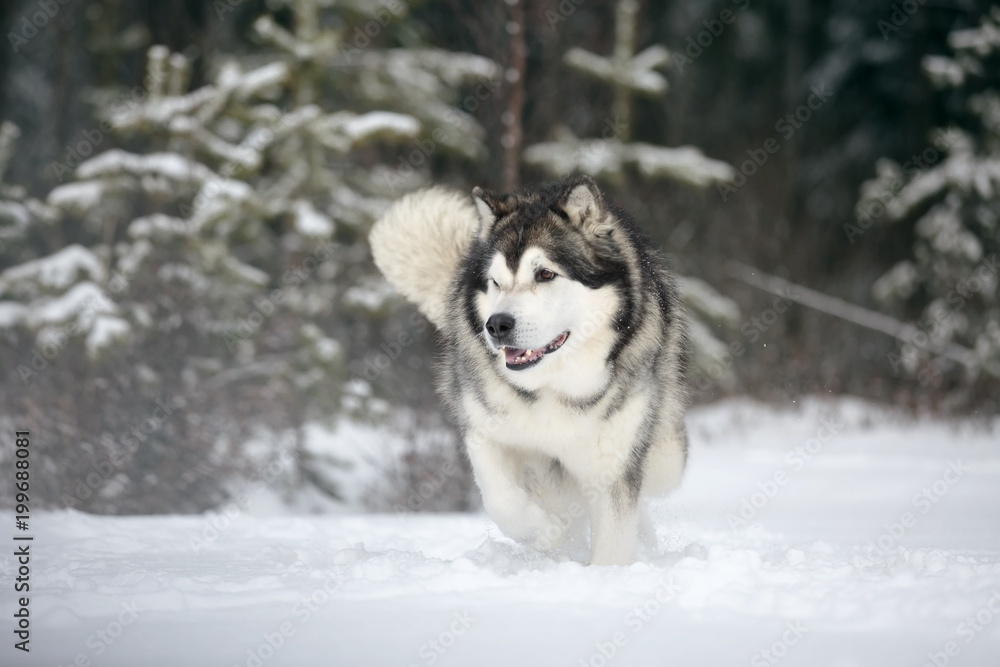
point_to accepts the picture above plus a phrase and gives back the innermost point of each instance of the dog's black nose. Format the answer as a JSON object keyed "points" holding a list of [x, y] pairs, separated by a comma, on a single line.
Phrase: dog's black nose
{"points": [[499, 326]]}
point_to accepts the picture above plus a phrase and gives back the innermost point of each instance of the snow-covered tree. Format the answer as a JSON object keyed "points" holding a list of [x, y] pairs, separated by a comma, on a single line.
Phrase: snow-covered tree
{"points": [[609, 157], [203, 286], [949, 196]]}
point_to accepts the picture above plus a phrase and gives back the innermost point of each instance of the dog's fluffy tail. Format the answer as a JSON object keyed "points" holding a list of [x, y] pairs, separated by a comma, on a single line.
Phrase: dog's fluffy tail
{"points": [[419, 242]]}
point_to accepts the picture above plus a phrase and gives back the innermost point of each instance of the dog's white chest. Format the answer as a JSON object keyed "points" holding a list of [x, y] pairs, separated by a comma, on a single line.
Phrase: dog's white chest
{"points": [[548, 426]]}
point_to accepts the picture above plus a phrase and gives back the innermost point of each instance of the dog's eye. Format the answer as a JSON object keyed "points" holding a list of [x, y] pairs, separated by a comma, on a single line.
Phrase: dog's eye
{"points": [[494, 282], [544, 275]]}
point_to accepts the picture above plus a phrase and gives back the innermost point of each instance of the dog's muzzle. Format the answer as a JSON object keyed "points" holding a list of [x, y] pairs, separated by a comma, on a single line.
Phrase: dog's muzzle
{"points": [[500, 327]]}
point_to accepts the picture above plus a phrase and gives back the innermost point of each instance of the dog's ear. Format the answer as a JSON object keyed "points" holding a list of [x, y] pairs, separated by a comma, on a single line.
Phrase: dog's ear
{"points": [[490, 206], [583, 204]]}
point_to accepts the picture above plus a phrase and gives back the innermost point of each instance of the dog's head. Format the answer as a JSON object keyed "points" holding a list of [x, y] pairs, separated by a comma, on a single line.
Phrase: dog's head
{"points": [[551, 280]]}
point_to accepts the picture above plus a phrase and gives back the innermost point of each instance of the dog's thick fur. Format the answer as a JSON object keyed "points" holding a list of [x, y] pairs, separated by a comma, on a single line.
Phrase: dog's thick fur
{"points": [[557, 426]]}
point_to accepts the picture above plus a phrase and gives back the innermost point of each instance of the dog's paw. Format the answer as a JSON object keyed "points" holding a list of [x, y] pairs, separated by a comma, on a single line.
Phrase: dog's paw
{"points": [[531, 525], [552, 534]]}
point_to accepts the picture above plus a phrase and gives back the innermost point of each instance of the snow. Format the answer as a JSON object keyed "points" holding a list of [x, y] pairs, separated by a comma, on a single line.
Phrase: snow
{"points": [[167, 165], [261, 79], [943, 71], [899, 283], [83, 301], [15, 213], [158, 226], [310, 222], [160, 111], [637, 72], [11, 313], [245, 273], [375, 123], [685, 164], [824, 573], [77, 197], [981, 40], [606, 157], [54, 272], [106, 330], [597, 157]]}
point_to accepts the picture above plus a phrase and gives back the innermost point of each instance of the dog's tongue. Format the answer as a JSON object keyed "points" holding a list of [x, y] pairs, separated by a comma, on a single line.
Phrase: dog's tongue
{"points": [[517, 356]]}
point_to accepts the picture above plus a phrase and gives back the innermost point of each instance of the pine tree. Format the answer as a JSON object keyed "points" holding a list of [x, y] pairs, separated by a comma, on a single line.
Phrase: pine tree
{"points": [[948, 198], [630, 73], [211, 276]]}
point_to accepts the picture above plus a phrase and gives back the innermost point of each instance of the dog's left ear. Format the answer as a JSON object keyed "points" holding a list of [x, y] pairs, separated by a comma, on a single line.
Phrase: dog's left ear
{"points": [[490, 207], [583, 204]]}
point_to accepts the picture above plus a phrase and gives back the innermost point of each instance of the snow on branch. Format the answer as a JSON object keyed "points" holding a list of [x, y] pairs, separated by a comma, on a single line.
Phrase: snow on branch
{"points": [[321, 47], [606, 157], [686, 164], [344, 130], [636, 74], [166, 165], [53, 273]]}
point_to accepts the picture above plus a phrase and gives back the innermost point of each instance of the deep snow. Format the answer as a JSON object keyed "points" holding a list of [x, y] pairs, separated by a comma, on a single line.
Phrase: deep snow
{"points": [[846, 564]]}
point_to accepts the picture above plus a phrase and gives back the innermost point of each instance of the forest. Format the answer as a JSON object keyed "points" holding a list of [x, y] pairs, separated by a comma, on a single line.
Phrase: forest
{"points": [[186, 190]]}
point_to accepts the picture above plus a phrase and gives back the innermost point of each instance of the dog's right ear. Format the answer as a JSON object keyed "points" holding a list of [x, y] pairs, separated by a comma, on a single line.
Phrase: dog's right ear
{"points": [[490, 207]]}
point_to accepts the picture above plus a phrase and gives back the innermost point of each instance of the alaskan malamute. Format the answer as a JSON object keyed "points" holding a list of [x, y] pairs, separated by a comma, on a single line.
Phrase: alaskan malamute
{"points": [[565, 345]]}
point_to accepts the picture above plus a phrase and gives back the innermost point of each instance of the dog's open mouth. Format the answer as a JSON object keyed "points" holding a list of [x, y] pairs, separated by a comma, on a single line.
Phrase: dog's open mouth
{"points": [[518, 360]]}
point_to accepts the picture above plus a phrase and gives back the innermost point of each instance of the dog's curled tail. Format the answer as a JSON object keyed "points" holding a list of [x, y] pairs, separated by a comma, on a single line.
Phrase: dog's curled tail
{"points": [[419, 242]]}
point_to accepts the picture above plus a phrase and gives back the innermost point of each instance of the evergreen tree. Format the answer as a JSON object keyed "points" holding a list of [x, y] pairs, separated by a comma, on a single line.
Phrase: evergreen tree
{"points": [[194, 300], [948, 198], [611, 157]]}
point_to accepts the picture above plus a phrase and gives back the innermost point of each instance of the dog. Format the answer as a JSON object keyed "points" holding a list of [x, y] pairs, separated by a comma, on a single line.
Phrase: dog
{"points": [[565, 347]]}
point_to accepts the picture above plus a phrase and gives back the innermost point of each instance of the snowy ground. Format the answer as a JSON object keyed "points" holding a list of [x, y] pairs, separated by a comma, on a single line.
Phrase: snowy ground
{"points": [[880, 547]]}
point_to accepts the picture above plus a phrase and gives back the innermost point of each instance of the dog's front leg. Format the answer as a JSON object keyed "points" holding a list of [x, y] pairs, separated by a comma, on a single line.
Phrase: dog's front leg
{"points": [[500, 473], [614, 525]]}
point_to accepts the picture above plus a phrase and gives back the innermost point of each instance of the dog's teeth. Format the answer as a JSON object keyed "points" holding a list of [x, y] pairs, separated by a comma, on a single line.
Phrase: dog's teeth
{"points": [[527, 352]]}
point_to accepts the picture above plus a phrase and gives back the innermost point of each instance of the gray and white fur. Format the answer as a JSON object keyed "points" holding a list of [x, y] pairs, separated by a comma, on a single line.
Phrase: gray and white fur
{"points": [[565, 346]]}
